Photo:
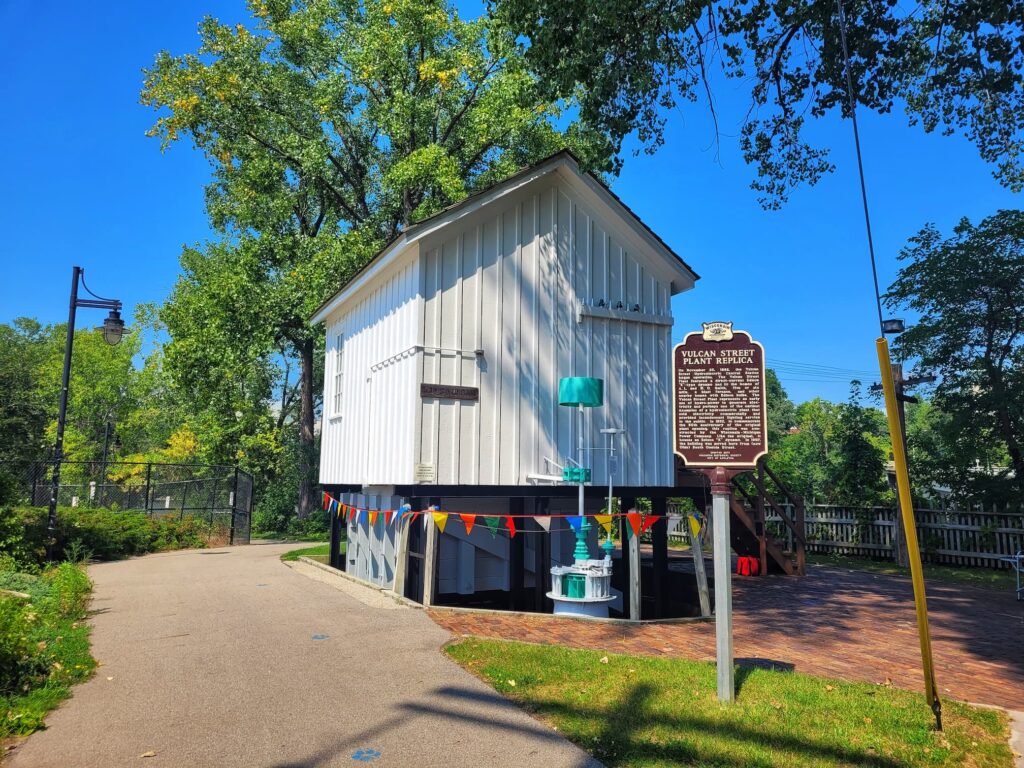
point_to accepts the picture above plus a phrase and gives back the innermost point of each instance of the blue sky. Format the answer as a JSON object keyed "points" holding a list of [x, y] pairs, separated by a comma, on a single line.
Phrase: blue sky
{"points": [[83, 185]]}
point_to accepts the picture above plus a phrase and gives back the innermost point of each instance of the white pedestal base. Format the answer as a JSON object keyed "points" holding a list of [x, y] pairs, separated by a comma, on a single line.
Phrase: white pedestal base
{"points": [[595, 607]]}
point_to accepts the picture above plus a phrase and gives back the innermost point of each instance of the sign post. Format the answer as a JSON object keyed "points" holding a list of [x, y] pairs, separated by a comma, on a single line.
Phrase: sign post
{"points": [[721, 429]]}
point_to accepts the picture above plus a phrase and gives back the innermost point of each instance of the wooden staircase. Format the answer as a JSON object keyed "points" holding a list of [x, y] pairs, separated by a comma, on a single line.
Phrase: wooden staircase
{"points": [[754, 495]]}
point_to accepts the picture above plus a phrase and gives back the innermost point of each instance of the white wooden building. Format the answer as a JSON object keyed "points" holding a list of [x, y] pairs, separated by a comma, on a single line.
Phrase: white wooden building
{"points": [[545, 275]]}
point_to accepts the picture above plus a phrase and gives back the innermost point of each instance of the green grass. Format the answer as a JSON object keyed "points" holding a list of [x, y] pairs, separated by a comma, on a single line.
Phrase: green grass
{"points": [[987, 578], [44, 645], [638, 711], [319, 552]]}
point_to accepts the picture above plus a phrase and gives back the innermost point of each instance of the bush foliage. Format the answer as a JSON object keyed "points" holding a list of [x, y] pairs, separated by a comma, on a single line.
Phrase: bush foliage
{"points": [[99, 534], [44, 642]]}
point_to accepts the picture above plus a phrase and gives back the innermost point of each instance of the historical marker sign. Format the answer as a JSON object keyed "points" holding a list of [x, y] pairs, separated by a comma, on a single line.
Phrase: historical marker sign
{"points": [[721, 411]]}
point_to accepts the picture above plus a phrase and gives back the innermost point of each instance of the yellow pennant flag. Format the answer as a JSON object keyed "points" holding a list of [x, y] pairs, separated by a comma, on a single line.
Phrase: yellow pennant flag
{"points": [[440, 520], [605, 521], [373, 518]]}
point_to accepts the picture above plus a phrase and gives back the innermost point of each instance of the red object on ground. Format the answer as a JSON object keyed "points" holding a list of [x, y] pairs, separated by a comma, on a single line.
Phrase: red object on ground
{"points": [[747, 566]]}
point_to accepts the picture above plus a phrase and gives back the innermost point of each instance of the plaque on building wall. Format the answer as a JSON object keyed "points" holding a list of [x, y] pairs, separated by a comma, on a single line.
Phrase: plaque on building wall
{"points": [[720, 402], [424, 473], [449, 392]]}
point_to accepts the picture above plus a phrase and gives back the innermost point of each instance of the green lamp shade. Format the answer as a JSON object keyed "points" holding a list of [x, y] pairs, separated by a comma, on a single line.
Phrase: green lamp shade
{"points": [[581, 390]]}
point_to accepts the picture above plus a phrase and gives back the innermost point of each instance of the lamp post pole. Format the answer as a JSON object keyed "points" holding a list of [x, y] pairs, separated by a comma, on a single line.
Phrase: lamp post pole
{"points": [[58, 449], [113, 327]]}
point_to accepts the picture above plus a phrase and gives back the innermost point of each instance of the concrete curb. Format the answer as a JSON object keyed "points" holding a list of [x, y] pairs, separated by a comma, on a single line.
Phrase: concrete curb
{"points": [[550, 616], [1017, 736], [342, 576], [488, 611]]}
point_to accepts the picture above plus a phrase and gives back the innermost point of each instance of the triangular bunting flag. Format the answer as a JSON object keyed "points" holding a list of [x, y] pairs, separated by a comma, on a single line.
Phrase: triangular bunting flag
{"points": [[492, 524], [635, 520], [651, 520], [576, 521], [414, 516], [440, 520], [605, 521], [544, 522], [468, 519], [373, 518], [387, 517], [327, 503], [511, 527]]}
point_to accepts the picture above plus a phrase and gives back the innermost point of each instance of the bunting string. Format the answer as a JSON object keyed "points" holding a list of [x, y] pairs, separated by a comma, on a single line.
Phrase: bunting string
{"points": [[637, 522]]}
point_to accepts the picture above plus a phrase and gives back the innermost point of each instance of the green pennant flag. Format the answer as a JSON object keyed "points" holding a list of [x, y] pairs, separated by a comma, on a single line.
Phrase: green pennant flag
{"points": [[492, 524]]}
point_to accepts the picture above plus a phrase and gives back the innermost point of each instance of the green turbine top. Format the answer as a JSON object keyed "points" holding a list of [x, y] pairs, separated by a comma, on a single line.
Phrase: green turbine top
{"points": [[581, 390]]}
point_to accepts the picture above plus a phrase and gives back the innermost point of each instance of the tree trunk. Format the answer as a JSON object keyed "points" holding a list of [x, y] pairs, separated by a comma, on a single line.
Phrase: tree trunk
{"points": [[306, 447]]}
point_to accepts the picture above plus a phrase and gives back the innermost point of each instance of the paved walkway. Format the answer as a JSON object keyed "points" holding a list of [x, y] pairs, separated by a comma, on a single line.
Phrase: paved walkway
{"points": [[230, 658], [834, 622]]}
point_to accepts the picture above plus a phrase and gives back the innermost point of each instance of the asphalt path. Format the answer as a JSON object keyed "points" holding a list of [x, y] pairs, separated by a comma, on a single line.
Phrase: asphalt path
{"points": [[228, 657]]}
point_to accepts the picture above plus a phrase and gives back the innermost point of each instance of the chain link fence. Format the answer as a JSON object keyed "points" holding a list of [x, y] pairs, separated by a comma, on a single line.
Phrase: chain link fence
{"points": [[221, 495]]}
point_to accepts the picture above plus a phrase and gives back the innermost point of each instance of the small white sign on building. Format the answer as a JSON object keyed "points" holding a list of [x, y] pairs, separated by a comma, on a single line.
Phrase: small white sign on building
{"points": [[424, 473]]}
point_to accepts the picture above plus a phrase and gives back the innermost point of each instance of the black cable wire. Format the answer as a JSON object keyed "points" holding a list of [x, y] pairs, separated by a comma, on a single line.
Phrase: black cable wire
{"points": [[860, 165]]}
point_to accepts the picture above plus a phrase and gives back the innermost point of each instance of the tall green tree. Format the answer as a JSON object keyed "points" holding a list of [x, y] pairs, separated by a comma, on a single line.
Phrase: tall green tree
{"points": [[858, 463], [330, 125], [968, 290], [23, 411], [956, 66], [781, 411]]}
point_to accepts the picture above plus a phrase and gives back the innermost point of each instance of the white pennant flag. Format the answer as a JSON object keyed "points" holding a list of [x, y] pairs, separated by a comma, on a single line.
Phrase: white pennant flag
{"points": [[544, 522]]}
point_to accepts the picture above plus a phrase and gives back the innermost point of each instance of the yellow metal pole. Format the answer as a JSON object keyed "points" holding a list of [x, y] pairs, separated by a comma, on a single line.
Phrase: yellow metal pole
{"points": [[907, 512]]}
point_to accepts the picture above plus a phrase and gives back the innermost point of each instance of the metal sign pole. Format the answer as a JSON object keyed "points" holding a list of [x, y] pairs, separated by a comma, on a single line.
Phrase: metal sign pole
{"points": [[721, 493]]}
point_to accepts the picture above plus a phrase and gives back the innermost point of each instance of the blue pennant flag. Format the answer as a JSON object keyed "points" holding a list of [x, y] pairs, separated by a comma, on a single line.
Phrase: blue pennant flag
{"points": [[576, 521]]}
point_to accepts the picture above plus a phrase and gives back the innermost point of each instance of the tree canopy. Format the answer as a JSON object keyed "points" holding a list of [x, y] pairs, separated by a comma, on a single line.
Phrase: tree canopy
{"points": [[968, 290], [956, 66], [329, 125]]}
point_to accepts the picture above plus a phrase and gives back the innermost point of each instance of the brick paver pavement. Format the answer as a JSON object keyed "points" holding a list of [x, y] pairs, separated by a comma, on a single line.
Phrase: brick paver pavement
{"points": [[834, 622]]}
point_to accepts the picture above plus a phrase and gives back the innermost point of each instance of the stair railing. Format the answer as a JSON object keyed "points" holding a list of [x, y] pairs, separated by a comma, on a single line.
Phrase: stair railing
{"points": [[792, 514]]}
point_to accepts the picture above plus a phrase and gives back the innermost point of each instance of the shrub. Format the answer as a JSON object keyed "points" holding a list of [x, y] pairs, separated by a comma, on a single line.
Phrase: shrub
{"points": [[17, 662], [44, 644], [69, 589], [97, 533]]}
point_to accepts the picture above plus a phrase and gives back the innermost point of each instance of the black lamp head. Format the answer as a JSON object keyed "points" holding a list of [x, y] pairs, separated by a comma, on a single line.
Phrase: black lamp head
{"points": [[113, 328]]}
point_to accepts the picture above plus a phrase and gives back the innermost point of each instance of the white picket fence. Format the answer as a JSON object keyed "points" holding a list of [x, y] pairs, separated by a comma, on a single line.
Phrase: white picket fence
{"points": [[952, 537]]}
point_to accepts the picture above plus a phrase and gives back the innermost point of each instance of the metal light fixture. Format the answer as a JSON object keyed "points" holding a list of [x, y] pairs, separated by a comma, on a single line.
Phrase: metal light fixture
{"points": [[113, 328], [893, 326]]}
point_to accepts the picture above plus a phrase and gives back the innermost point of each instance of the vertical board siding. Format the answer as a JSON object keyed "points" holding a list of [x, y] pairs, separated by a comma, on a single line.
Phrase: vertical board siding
{"points": [[369, 442], [509, 281]]}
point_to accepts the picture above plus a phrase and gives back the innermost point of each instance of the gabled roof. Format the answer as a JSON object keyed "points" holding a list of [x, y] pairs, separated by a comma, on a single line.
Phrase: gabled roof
{"points": [[477, 200]]}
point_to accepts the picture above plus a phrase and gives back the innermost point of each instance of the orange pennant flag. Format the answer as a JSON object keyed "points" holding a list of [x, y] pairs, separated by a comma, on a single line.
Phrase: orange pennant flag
{"points": [[468, 519], [511, 527], [635, 520], [373, 518], [651, 520]]}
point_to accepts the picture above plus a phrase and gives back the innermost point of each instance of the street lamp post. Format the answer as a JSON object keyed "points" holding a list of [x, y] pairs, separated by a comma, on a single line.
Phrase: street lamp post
{"points": [[113, 330]]}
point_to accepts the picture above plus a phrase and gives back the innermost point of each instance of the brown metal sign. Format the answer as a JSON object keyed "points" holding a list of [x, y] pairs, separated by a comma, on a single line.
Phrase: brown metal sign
{"points": [[721, 409], [449, 392]]}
